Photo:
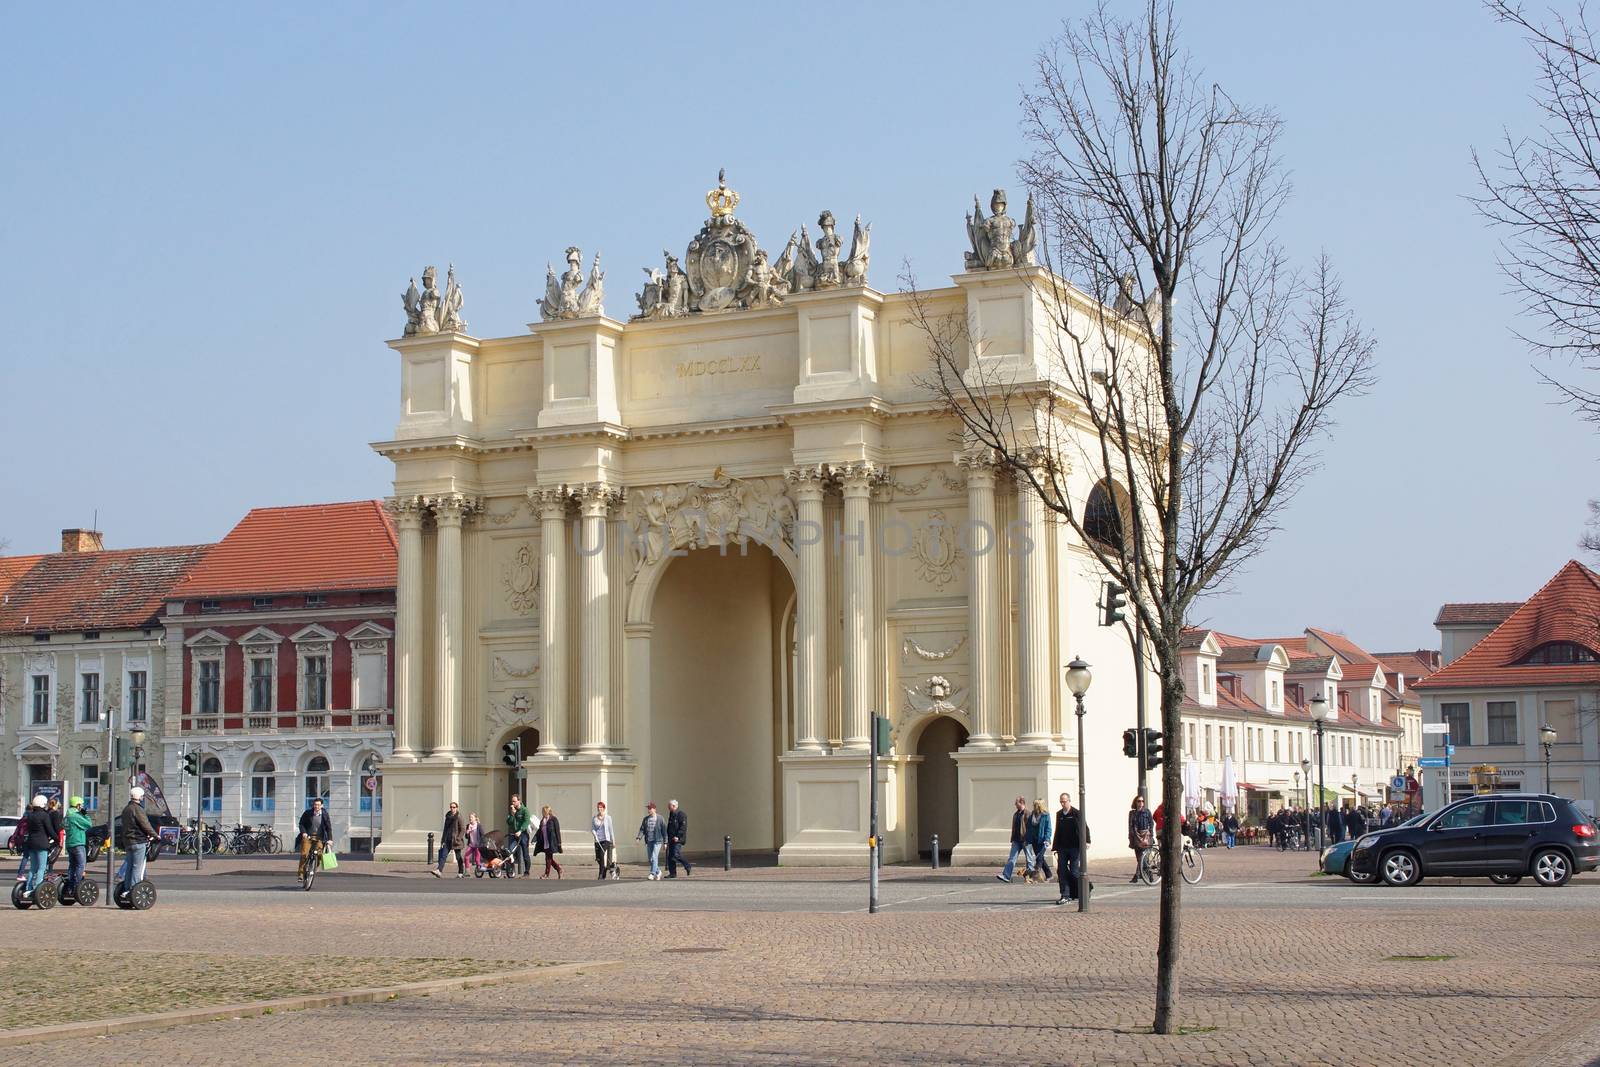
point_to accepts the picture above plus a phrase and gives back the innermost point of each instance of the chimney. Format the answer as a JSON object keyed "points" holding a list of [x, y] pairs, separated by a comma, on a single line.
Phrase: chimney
{"points": [[82, 541]]}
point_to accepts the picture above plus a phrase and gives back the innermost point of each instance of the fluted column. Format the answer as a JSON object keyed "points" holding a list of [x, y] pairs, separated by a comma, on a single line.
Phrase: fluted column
{"points": [[1033, 620], [594, 502], [449, 512], [983, 579], [811, 599], [551, 503], [407, 513], [854, 545]]}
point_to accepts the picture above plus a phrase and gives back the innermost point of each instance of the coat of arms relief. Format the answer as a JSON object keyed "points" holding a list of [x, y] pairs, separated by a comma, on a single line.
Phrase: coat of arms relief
{"points": [[719, 510]]}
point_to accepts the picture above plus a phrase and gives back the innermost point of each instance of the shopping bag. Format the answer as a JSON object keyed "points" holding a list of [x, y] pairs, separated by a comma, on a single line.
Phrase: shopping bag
{"points": [[329, 860]]}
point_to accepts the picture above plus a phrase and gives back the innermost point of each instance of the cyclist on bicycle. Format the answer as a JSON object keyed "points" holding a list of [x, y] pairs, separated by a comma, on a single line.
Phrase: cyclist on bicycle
{"points": [[314, 826]]}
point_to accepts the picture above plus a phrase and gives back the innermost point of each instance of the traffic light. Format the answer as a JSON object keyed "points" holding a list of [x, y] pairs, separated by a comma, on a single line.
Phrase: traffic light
{"points": [[1130, 744], [191, 764], [1152, 749], [1111, 603], [511, 753], [124, 756]]}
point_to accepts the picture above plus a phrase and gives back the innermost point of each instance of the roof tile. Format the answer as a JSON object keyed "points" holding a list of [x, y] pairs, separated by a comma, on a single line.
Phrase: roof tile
{"points": [[102, 590], [300, 549]]}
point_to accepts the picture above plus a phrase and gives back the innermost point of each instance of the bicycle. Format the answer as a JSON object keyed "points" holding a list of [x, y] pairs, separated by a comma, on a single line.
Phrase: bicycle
{"points": [[311, 863], [1191, 865]]}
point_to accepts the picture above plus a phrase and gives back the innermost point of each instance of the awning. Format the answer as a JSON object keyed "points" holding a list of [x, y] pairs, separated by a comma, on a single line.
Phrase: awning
{"points": [[1323, 795], [1255, 788]]}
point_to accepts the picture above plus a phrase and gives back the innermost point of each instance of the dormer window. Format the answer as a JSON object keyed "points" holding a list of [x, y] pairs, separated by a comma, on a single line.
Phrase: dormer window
{"points": [[1274, 699], [1205, 678], [1560, 652]]}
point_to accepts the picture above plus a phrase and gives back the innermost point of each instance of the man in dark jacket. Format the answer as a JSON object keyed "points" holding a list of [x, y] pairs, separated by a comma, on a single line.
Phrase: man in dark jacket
{"points": [[314, 826], [1068, 847], [1333, 824], [137, 833], [451, 840], [677, 834], [1019, 838], [38, 836], [1355, 823]]}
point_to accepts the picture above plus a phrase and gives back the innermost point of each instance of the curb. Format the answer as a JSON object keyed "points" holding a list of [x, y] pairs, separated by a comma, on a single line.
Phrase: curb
{"points": [[253, 1009]]}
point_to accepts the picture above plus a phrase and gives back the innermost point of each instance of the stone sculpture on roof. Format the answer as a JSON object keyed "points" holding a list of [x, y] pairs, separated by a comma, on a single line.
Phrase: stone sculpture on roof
{"points": [[429, 312], [997, 242], [569, 297]]}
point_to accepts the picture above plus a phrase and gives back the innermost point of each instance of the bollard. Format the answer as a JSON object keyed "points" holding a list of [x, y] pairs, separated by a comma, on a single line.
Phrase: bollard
{"points": [[430, 849], [727, 852], [936, 852]]}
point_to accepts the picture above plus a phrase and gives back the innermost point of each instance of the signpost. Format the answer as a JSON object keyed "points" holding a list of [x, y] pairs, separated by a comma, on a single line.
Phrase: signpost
{"points": [[1432, 761], [1435, 727], [880, 746], [1398, 783]]}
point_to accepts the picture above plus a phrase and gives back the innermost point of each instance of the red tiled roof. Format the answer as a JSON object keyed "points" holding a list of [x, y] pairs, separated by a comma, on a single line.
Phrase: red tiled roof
{"points": [[1566, 609], [1480, 613], [1411, 664], [300, 549], [1342, 646], [13, 568], [105, 590]]}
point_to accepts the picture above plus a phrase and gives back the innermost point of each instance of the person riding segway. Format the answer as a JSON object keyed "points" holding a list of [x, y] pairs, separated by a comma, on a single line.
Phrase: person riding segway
{"points": [[42, 830], [134, 892], [75, 889]]}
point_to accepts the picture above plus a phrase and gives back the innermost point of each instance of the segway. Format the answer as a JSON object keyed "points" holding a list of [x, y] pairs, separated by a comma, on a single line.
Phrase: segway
{"points": [[86, 893], [141, 897], [43, 898]]}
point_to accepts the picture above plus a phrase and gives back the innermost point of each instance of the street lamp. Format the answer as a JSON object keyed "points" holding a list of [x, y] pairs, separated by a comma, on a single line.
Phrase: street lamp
{"points": [[1547, 737], [1321, 713], [1305, 812], [1078, 679]]}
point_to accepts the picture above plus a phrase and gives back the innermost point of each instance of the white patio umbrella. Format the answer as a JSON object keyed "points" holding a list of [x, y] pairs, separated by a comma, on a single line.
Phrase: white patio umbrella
{"points": [[1191, 785], [1230, 785]]}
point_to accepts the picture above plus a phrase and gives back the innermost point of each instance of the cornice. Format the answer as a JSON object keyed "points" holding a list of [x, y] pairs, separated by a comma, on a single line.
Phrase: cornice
{"points": [[586, 431]]}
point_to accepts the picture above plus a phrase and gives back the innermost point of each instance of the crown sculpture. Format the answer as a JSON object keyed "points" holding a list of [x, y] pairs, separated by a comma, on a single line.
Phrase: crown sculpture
{"points": [[724, 269], [568, 297], [427, 311]]}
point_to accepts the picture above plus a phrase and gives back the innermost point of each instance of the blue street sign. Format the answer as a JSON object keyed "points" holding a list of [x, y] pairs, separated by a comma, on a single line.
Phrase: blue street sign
{"points": [[1397, 783], [1449, 750], [1432, 761]]}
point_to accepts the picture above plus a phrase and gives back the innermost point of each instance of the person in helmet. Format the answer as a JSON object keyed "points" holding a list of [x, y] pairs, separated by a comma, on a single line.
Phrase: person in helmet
{"points": [[39, 836], [77, 841], [137, 833]]}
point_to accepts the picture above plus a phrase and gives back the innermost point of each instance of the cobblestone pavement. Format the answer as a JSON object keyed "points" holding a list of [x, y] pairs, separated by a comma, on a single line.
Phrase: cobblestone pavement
{"points": [[44, 987], [1275, 972]]}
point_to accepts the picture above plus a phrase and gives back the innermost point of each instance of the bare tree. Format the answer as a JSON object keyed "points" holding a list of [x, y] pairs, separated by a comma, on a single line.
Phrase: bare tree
{"points": [[1191, 365]]}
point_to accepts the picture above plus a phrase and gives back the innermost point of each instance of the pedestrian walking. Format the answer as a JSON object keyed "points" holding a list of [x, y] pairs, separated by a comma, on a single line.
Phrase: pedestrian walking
{"points": [[1068, 849], [677, 837], [605, 840], [77, 842], [1141, 834], [474, 840], [451, 839], [653, 832], [1039, 842], [1019, 838], [39, 833], [517, 823], [547, 839], [1230, 829]]}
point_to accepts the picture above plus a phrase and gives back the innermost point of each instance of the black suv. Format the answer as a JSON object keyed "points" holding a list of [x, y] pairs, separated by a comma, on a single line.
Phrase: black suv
{"points": [[1502, 837]]}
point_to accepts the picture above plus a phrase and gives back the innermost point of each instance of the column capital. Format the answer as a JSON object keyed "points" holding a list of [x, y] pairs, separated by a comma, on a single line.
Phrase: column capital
{"points": [[550, 501], [408, 511], [859, 478], [451, 509], [596, 499], [808, 482]]}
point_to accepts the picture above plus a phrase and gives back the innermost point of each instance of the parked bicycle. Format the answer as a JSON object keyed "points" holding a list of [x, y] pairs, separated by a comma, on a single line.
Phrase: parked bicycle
{"points": [[243, 840], [210, 841], [1192, 865]]}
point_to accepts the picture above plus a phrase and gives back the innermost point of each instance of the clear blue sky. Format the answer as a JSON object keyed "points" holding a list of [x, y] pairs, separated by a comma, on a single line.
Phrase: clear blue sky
{"points": [[210, 212]]}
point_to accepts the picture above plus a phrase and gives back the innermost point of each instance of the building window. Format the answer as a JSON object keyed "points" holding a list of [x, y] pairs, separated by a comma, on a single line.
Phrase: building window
{"points": [[261, 602], [317, 779], [1562, 715], [211, 786], [1560, 652], [1208, 740], [1275, 753], [1205, 678], [1275, 700], [91, 698], [1458, 716], [138, 696], [210, 686], [90, 790], [371, 678], [1102, 520], [91, 635], [263, 786], [316, 682], [316, 600], [208, 606], [41, 700], [260, 685], [1231, 750], [1502, 722]]}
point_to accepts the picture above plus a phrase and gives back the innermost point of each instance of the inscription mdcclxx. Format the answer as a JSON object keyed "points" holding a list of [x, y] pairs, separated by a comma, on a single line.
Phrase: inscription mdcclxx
{"points": [[696, 368]]}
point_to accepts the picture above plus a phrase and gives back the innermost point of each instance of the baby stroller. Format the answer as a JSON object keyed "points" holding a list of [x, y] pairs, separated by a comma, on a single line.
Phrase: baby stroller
{"points": [[495, 859]]}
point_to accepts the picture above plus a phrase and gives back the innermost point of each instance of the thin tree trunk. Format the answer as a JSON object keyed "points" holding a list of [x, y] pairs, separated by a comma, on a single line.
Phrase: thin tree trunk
{"points": [[1167, 954]]}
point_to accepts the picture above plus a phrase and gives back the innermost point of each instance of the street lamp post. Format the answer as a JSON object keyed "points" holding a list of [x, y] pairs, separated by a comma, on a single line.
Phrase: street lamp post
{"points": [[1320, 709], [1547, 737], [1078, 679], [1305, 812]]}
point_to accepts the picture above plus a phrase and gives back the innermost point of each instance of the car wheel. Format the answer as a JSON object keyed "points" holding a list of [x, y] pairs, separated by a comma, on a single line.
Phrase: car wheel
{"points": [[1505, 879], [1357, 877], [1551, 867], [1400, 868]]}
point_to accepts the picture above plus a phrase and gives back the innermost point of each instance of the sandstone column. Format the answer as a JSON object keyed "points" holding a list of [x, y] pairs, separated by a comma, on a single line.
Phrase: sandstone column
{"points": [[594, 503], [855, 547], [408, 630], [1033, 619], [979, 540], [811, 598], [448, 514], [551, 503]]}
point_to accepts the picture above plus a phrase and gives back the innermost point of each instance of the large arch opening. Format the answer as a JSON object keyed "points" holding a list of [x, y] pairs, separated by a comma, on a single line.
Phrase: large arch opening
{"points": [[937, 783], [716, 694]]}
